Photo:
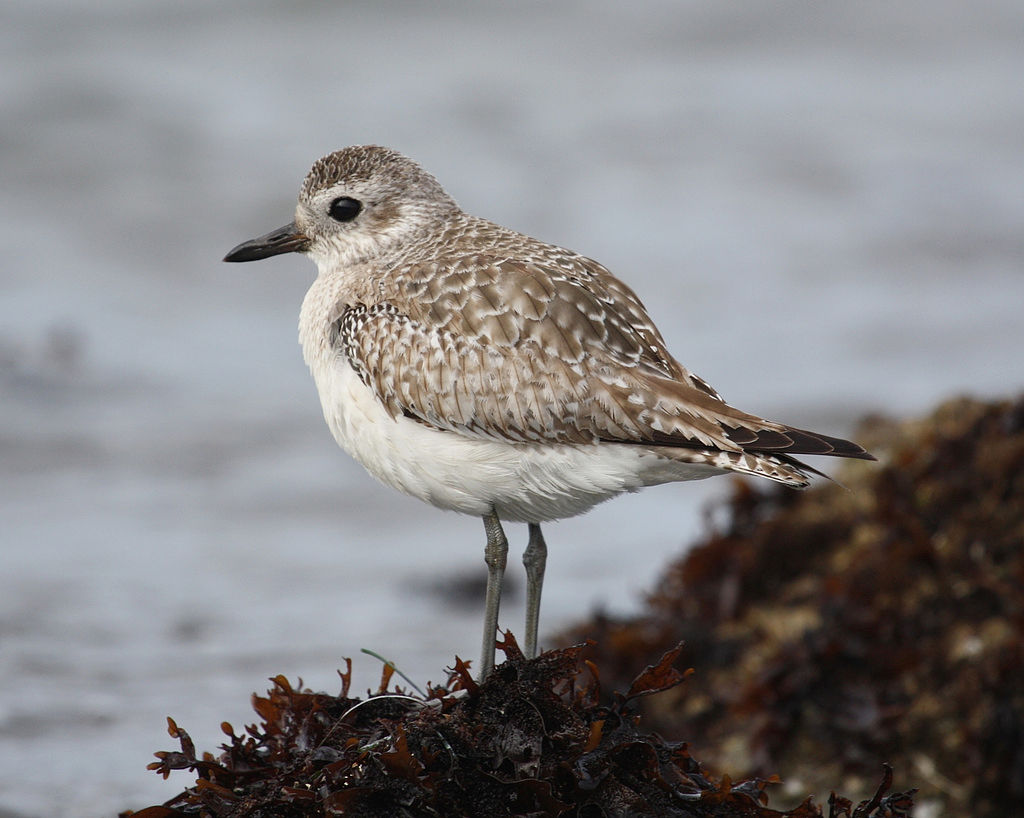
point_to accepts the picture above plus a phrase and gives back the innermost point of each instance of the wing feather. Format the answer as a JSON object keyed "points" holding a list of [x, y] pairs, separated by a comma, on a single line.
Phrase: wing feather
{"points": [[542, 350], [523, 394]]}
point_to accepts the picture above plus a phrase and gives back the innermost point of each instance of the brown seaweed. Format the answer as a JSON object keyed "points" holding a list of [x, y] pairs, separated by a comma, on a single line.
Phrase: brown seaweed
{"points": [[536, 738], [841, 626]]}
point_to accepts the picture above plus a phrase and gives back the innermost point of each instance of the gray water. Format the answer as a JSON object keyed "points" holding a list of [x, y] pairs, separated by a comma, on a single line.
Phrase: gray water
{"points": [[822, 205]]}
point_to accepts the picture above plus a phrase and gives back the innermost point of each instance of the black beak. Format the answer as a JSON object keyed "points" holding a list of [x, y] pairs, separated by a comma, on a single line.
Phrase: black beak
{"points": [[285, 239]]}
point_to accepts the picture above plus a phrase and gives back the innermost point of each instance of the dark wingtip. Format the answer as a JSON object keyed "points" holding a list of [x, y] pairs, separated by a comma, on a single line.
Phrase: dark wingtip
{"points": [[805, 442], [793, 441]]}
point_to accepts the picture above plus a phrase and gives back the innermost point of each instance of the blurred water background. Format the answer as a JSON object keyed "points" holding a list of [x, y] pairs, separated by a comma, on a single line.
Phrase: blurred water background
{"points": [[821, 203]]}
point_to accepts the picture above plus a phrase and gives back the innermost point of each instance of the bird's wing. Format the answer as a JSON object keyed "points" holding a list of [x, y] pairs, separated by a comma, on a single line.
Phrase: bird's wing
{"points": [[541, 351], [518, 392], [566, 304]]}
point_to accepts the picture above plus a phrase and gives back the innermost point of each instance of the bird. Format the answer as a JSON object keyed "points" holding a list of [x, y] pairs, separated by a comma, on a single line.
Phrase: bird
{"points": [[487, 372]]}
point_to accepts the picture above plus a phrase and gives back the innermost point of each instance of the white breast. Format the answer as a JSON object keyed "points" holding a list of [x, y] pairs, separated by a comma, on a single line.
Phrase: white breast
{"points": [[523, 482]]}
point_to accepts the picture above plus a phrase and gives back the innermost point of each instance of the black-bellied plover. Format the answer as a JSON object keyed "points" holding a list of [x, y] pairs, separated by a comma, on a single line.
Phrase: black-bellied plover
{"points": [[490, 373]]}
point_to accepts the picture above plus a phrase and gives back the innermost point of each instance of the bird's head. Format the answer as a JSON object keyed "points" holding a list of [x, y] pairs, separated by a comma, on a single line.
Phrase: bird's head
{"points": [[356, 204]]}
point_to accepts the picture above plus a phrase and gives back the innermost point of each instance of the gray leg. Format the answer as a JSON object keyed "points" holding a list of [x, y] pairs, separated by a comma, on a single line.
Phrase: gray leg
{"points": [[495, 555], [534, 559]]}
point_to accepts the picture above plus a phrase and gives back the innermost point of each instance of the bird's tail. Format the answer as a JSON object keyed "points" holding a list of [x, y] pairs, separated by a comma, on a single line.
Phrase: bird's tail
{"points": [[781, 468]]}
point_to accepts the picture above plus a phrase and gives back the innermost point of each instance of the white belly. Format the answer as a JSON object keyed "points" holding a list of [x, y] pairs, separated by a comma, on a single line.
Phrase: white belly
{"points": [[522, 482]]}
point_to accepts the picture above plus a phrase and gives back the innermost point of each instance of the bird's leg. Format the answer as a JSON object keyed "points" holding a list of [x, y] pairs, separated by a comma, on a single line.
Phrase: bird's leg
{"points": [[535, 557], [495, 555]]}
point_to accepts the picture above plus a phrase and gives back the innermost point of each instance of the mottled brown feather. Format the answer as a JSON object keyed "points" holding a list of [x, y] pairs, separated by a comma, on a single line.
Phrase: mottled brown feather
{"points": [[480, 330], [546, 347]]}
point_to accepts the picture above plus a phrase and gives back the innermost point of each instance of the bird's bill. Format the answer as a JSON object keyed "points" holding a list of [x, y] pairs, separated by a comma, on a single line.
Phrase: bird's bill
{"points": [[287, 239]]}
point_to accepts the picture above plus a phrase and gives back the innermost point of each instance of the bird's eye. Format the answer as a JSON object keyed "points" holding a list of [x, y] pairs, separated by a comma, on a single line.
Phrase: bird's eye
{"points": [[345, 208]]}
